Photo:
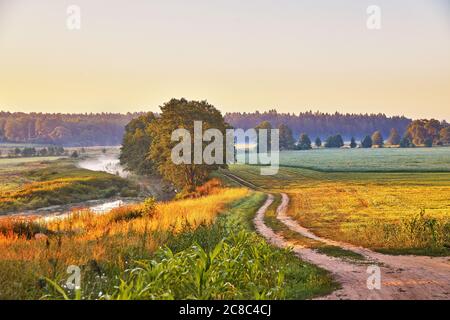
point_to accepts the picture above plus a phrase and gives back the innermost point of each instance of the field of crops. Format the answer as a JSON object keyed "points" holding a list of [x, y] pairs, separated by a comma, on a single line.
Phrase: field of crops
{"points": [[370, 160]]}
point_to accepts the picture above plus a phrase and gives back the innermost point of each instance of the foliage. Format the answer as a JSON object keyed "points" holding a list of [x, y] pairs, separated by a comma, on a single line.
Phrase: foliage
{"points": [[318, 142], [304, 143], [287, 141], [134, 153], [334, 142], [177, 114], [366, 142], [103, 129], [353, 143], [426, 132], [394, 137], [321, 124], [377, 139]]}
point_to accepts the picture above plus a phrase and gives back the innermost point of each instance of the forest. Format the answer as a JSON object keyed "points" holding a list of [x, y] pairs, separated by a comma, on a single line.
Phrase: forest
{"points": [[107, 129], [72, 130], [319, 124]]}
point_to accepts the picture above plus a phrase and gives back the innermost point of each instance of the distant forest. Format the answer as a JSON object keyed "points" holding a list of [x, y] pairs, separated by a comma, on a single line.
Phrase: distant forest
{"points": [[318, 124], [108, 128], [103, 129]]}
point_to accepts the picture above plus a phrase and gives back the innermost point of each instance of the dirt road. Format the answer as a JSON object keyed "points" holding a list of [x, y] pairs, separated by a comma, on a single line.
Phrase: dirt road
{"points": [[402, 277]]}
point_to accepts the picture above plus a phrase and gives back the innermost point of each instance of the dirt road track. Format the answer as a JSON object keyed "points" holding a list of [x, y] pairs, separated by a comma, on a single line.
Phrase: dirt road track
{"points": [[402, 277]]}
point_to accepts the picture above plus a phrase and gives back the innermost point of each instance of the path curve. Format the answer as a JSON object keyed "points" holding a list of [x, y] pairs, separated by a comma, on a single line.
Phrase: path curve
{"points": [[402, 277]]}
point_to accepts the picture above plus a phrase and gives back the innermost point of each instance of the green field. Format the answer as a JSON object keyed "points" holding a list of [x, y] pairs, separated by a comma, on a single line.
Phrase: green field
{"points": [[391, 200], [370, 160]]}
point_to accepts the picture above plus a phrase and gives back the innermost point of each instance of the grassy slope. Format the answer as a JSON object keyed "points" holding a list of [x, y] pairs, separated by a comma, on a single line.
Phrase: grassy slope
{"points": [[376, 210], [40, 184]]}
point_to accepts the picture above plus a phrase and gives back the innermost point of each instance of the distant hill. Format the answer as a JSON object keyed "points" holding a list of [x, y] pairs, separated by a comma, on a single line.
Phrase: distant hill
{"points": [[318, 124], [107, 128]]}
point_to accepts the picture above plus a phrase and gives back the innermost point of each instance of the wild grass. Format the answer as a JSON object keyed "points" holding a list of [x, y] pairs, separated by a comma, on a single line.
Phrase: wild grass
{"points": [[102, 245]]}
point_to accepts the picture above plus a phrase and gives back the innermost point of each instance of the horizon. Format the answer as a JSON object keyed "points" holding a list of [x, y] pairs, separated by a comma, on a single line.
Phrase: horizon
{"points": [[229, 112], [238, 56]]}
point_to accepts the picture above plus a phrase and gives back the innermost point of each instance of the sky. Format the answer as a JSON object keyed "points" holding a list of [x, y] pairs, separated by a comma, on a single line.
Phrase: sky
{"points": [[291, 55]]}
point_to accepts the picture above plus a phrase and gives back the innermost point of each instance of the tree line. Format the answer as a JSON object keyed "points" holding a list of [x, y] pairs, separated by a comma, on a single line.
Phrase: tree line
{"points": [[418, 133], [319, 124], [35, 152], [70, 130]]}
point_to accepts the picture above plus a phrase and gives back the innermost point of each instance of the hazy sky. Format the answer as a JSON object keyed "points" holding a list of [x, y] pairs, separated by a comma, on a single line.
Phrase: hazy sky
{"points": [[240, 55]]}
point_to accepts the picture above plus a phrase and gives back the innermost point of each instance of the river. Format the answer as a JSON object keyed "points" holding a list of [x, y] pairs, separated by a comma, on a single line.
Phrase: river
{"points": [[105, 163]]}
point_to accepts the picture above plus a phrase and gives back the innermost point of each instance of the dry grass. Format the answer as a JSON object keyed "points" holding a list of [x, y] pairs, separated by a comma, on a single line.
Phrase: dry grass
{"points": [[103, 242]]}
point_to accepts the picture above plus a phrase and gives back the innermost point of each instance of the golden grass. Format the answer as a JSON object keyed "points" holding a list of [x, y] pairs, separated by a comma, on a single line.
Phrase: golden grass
{"points": [[85, 237]]}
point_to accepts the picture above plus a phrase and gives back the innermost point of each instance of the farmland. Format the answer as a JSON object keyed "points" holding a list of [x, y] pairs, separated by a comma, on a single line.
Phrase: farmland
{"points": [[395, 207]]}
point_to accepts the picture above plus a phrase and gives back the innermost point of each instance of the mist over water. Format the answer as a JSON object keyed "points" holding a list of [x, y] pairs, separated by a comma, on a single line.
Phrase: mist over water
{"points": [[105, 163]]}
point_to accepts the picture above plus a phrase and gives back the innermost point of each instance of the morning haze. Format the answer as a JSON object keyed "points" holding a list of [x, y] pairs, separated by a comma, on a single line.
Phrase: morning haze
{"points": [[290, 55]]}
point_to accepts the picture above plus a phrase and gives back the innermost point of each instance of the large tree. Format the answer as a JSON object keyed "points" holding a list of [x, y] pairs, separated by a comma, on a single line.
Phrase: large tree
{"points": [[287, 141], [181, 114], [134, 154]]}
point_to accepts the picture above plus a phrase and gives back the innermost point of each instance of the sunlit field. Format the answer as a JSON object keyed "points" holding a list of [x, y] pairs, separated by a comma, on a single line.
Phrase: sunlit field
{"points": [[396, 212], [33, 250]]}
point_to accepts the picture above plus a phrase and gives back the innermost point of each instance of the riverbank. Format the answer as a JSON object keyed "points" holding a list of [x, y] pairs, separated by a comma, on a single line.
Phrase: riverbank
{"points": [[52, 186]]}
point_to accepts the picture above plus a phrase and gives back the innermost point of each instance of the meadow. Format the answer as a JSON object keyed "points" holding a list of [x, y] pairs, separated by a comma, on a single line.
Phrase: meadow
{"points": [[406, 211], [30, 183], [435, 159], [201, 248]]}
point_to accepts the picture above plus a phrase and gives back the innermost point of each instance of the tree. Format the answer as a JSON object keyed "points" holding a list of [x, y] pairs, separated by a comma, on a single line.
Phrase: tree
{"points": [[353, 143], [334, 142], [377, 139], [134, 153], [287, 141], [267, 126], [304, 143], [74, 154], [394, 137], [428, 142], [318, 142], [181, 114], [444, 135], [366, 142], [406, 142]]}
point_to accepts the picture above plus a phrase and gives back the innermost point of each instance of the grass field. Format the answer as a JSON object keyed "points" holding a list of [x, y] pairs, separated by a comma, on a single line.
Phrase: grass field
{"points": [[205, 256], [30, 183], [396, 212], [370, 160]]}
